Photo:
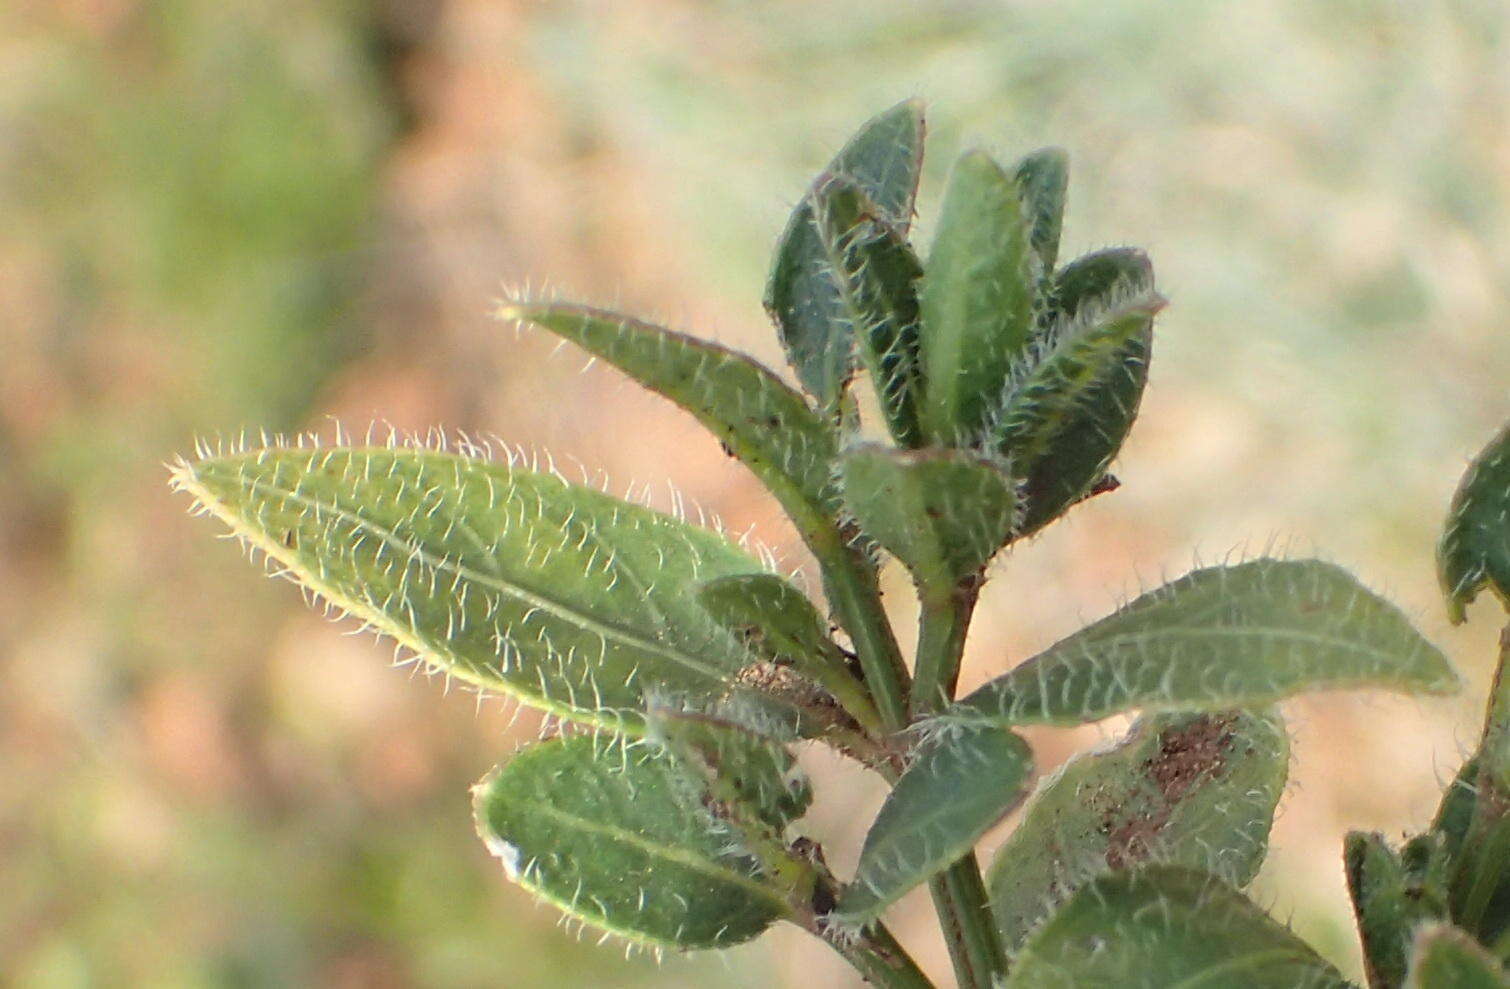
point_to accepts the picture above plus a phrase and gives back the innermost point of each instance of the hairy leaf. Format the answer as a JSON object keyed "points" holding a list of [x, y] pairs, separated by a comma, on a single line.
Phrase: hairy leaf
{"points": [[1475, 549], [1390, 900], [1456, 812], [1088, 437], [1230, 636], [609, 834], [1185, 789], [1063, 418], [962, 782], [505, 578], [977, 298], [943, 513], [778, 623], [877, 276], [1160, 926], [1443, 957], [884, 159], [1043, 177], [757, 418]]}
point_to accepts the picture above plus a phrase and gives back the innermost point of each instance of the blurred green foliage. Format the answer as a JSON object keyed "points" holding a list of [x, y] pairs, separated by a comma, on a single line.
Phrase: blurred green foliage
{"points": [[203, 206]]}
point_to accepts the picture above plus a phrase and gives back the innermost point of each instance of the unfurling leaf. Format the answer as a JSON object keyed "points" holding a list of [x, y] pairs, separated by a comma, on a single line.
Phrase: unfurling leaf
{"points": [[1475, 549], [1443, 957], [609, 834], [977, 298], [962, 782], [943, 513], [1160, 926], [1222, 637], [1063, 418], [883, 159], [877, 276], [502, 577], [757, 418], [1186, 789]]}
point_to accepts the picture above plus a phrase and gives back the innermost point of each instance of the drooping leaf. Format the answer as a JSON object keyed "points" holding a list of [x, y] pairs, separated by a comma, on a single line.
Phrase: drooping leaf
{"points": [[609, 834], [776, 622], [757, 418], [1221, 637], [943, 513], [1186, 789], [877, 275], [1044, 177], [884, 159], [1391, 898], [1064, 417], [1443, 957], [962, 782], [502, 577], [976, 297], [1162, 925], [1475, 549]]}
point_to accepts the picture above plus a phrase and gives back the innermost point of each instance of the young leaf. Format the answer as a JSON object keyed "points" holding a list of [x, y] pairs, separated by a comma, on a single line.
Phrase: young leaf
{"points": [[976, 298], [1443, 957], [1166, 926], [606, 832], [1456, 812], [1217, 638], [778, 623], [943, 513], [1475, 549], [1185, 789], [1063, 419], [506, 578], [963, 781], [877, 276], [1043, 177], [884, 159], [757, 418], [1086, 438], [1390, 900]]}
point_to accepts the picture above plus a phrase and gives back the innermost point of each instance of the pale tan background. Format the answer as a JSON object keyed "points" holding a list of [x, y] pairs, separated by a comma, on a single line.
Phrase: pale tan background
{"points": [[230, 214]]}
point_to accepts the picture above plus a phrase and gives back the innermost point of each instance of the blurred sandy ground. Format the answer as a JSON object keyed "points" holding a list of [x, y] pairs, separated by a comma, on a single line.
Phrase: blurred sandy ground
{"points": [[226, 215]]}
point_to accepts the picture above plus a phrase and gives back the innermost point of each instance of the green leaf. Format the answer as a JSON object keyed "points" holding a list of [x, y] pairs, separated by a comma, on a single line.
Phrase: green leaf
{"points": [[877, 276], [962, 782], [1475, 549], [1222, 637], [1161, 926], [1443, 957], [502, 577], [884, 159], [1044, 177], [776, 622], [756, 417], [943, 513], [976, 297], [1186, 789], [1455, 813], [609, 834], [1390, 900], [1063, 419]]}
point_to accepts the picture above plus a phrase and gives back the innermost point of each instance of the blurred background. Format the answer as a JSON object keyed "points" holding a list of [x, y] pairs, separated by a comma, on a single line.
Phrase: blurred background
{"points": [[219, 215]]}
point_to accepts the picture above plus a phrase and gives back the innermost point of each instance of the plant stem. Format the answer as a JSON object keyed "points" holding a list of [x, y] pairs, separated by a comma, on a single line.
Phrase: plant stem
{"points": [[959, 896], [941, 644], [881, 960], [855, 596], [959, 893]]}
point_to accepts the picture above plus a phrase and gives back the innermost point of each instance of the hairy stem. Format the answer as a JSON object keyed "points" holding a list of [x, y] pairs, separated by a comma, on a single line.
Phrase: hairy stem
{"points": [[856, 599], [959, 893], [959, 897], [881, 960]]}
